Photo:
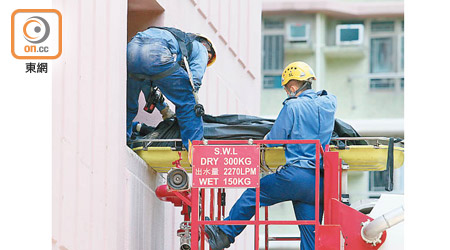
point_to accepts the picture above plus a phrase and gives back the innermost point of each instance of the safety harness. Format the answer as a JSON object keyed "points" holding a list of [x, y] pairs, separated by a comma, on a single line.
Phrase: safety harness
{"points": [[184, 42]]}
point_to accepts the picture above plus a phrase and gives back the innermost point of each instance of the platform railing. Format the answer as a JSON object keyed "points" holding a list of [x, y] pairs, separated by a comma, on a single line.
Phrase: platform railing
{"points": [[197, 223]]}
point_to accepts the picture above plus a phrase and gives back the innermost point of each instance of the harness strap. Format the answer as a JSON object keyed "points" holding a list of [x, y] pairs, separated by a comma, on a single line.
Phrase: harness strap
{"points": [[143, 77], [184, 39]]}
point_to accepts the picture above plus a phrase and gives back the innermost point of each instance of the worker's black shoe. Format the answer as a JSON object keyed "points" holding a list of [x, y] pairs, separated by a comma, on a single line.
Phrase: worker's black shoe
{"points": [[217, 239]]}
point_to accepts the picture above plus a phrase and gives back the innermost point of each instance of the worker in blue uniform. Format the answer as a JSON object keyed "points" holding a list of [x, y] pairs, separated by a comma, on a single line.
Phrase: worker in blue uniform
{"points": [[306, 115], [155, 59]]}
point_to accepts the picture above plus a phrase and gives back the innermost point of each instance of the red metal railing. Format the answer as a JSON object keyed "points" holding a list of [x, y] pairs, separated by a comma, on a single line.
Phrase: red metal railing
{"points": [[196, 223]]}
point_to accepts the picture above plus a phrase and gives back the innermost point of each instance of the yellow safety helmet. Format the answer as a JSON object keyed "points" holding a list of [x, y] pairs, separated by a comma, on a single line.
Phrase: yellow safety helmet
{"points": [[211, 45], [297, 71]]}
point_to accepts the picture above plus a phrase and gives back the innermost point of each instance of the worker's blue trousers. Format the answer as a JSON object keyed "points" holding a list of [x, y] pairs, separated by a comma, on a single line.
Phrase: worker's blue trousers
{"points": [[288, 184], [151, 56]]}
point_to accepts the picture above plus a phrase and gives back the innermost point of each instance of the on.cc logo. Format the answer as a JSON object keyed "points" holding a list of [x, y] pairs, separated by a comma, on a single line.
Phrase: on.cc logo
{"points": [[36, 34], [36, 30]]}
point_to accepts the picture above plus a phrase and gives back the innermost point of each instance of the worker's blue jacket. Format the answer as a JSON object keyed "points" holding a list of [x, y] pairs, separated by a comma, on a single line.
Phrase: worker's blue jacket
{"points": [[197, 60], [154, 51], [310, 116], [306, 117]]}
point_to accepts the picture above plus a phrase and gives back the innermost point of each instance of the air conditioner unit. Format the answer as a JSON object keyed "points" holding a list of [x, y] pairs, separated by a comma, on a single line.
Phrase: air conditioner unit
{"points": [[348, 34], [298, 32]]}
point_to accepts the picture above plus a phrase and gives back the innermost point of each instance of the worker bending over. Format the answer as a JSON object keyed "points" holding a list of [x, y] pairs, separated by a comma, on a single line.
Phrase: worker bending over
{"points": [[155, 59], [306, 115]]}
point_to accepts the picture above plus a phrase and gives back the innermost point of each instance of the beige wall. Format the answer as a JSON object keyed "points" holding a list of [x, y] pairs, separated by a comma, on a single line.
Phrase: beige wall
{"points": [[232, 84], [90, 157], [103, 194]]}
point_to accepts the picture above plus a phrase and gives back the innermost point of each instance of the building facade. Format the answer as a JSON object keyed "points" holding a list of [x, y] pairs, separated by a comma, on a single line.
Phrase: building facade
{"points": [[103, 193], [356, 49]]}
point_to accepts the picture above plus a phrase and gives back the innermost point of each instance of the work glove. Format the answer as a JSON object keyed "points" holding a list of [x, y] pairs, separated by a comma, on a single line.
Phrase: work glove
{"points": [[167, 113], [197, 86]]}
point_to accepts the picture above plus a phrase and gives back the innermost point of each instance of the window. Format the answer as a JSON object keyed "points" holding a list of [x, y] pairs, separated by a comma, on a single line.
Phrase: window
{"points": [[377, 83], [273, 52], [273, 24], [377, 180], [385, 26], [273, 59], [402, 53], [382, 56], [271, 82], [386, 55]]}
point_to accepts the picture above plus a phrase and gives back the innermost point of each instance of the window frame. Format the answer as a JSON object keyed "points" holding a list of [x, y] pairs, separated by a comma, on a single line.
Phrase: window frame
{"points": [[276, 86], [396, 36], [272, 32], [400, 36], [393, 55], [372, 187]]}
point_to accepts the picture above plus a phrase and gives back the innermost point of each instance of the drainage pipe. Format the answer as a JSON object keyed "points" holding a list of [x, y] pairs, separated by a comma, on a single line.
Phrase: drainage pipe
{"points": [[372, 231]]}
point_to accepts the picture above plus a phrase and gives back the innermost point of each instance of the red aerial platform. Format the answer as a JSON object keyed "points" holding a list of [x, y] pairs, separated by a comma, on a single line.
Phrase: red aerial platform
{"points": [[221, 164]]}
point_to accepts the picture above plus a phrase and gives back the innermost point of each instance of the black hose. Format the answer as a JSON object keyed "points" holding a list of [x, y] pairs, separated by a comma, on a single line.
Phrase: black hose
{"points": [[390, 166]]}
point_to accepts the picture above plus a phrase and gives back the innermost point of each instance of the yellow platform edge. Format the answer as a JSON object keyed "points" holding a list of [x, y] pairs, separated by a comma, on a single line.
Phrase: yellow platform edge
{"points": [[358, 157]]}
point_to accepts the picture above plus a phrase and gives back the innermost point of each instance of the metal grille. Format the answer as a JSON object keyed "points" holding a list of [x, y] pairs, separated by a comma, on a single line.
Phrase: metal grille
{"points": [[271, 82], [382, 26], [273, 52], [382, 83], [273, 24]]}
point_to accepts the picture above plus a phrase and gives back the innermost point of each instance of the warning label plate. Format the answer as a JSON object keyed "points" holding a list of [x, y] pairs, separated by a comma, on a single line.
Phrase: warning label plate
{"points": [[224, 166]]}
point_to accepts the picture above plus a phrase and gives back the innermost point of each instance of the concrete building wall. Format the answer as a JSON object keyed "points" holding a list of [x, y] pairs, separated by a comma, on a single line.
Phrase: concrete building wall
{"points": [[90, 157], [232, 84], [103, 194]]}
